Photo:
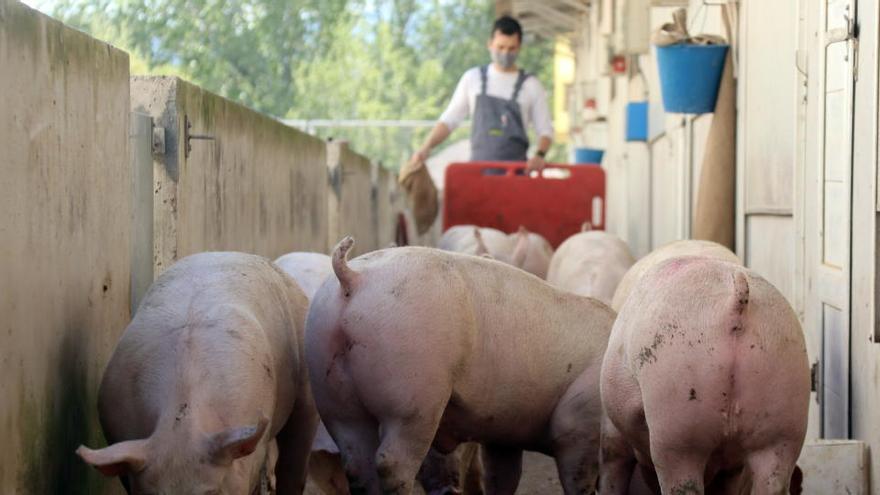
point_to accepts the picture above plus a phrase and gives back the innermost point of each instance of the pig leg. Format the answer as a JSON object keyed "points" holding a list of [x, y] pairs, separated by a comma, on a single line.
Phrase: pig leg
{"points": [[679, 471], [439, 473], [357, 440], [617, 461], [295, 443], [471, 469], [575, 428], [623, 425], [502, 468], [679, 451], [772, 468], [325, 470], [405, 443]]}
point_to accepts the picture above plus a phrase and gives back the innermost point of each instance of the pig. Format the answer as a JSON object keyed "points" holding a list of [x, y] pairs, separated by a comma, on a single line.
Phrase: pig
{"points": [[207, 391], [439, 474], [478, 241], [590, 263], [308, 270], [538, 255], [671, 250], [705, 383], [414, 347], [522, 249]]}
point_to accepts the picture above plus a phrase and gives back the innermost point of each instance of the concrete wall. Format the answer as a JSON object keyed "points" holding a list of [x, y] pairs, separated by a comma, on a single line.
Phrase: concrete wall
{"points": [[351, 199], [256, 186], [64, 237]]}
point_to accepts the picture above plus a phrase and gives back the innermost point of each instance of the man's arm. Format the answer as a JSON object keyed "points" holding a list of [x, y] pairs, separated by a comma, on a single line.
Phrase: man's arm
{"points": [[455, 114], [438, 134], [544, 129]]}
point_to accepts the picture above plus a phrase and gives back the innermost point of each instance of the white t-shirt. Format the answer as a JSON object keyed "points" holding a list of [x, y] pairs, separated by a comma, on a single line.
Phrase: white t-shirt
{"points": [[532, 99]]}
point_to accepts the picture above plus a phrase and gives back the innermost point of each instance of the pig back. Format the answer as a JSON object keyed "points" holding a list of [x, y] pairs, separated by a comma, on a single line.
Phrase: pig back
{"points": [[227, 318], [678, 248], [309, 270], [590, 264], [501, 330]]}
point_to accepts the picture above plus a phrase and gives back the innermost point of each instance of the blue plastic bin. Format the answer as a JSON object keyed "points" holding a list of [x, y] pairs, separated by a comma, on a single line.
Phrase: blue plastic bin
{"points": [[588, 155], [689, 76], [637, 121]]}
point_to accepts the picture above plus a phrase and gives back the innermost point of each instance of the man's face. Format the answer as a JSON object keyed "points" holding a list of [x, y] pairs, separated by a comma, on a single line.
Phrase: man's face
{"points": [[504, 43]]}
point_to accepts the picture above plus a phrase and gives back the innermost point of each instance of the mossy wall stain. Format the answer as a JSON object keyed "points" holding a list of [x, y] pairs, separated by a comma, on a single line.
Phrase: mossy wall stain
{"points": [[52, 428]]}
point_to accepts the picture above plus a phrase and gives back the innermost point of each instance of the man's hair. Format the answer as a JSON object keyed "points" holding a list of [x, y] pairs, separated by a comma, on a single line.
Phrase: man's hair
{"points": [[507, 25]]}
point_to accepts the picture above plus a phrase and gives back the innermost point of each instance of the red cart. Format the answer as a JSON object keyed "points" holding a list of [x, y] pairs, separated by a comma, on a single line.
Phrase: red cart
{"points": [[554, 203]]}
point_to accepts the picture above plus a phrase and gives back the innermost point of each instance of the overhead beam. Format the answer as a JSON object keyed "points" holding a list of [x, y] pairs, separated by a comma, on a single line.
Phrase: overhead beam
{"points": [[548, 13], [577, 5], [503, 7]]}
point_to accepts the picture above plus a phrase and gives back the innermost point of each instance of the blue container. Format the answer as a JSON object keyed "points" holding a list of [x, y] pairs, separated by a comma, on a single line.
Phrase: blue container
{"points": [[588, 155], [637, 121], [689, 76]]}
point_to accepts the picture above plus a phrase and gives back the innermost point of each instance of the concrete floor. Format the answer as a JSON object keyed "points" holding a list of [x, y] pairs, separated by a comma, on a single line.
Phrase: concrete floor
{"points": [[539, 477]]}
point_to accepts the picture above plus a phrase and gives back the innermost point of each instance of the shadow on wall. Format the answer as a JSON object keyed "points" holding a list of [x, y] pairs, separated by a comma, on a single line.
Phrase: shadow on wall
{"points": [[67, 418]]}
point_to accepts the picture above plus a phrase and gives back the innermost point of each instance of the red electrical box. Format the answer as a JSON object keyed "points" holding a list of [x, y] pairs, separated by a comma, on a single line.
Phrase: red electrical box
{"points": [[554, 203]]}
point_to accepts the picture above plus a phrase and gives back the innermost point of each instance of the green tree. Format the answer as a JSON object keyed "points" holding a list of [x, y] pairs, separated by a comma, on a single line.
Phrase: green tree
{"points": [[313, 59]]}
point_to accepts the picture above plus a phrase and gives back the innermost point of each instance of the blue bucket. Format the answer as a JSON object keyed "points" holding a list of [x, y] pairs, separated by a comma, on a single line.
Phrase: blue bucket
{"points": [[637, 121], [588, 155], [690, 75]]}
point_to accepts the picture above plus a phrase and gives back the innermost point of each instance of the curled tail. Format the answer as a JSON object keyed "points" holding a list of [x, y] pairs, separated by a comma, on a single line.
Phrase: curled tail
{"points": [[347, 277], [521, 249], [740, 297], [482, 250]]}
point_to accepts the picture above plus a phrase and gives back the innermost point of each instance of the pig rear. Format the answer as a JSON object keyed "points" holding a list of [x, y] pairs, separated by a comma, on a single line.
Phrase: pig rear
{"points": [[706, 373]]}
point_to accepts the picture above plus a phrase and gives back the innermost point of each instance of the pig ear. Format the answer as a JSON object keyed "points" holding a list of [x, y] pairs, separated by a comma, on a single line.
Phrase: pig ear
{"points": [[586, 227], [518, 258], [118, 459], [482, 250], [234, 443]]}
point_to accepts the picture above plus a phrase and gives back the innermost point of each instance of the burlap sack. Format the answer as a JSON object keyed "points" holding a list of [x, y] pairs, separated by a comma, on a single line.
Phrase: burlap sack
{"points": [[714, 215], [676, 31], [421, 194]]}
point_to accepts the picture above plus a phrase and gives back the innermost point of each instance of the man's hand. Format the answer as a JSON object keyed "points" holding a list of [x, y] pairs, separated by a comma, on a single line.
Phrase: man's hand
{"points": [[421, 155], [536, 163]]}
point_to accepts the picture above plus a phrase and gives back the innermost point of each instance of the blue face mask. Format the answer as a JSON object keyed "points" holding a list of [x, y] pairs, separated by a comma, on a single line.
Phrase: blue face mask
{"points": [[506, 60]]}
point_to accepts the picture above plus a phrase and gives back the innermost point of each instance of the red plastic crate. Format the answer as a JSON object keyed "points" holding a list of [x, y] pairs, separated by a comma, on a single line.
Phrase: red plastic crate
{"points": [[554, 204]]}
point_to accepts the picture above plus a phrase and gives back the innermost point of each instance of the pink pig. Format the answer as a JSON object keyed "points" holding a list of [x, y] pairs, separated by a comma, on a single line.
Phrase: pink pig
{"points": [[410, 347], [705, 383], [207, 392]]}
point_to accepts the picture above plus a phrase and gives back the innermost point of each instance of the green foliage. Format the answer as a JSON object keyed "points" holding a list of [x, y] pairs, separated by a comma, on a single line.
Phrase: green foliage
{"points": [[314, 59]]}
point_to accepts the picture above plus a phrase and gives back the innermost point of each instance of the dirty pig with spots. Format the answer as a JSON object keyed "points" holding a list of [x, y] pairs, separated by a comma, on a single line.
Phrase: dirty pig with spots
{"points": [[412, 347], [207, 392], [705, 383]]}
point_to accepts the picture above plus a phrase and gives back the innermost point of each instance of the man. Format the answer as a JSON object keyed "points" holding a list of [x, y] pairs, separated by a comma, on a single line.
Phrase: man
{"points": [[502, 100]]}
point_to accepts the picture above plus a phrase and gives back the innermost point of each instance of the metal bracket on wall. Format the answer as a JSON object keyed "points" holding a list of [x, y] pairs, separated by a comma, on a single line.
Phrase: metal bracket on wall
{"points": [[187, 136], [158, 140], [814, 377]]}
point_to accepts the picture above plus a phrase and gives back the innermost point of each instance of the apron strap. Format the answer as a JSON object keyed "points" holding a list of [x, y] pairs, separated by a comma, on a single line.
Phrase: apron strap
{"points": [[484, 78], [523, 75]]}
